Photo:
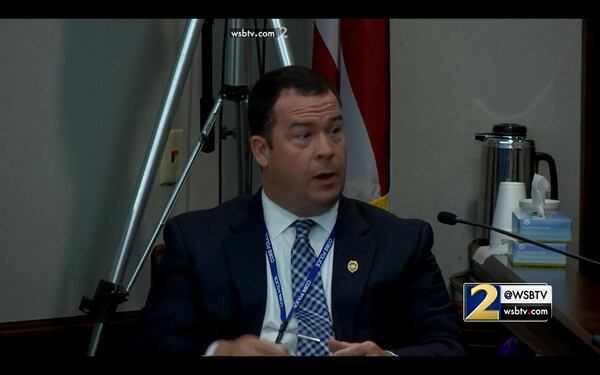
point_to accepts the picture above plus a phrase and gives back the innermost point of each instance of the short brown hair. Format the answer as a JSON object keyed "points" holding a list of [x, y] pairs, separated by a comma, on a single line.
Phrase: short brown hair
{"points": [[266, 91]]}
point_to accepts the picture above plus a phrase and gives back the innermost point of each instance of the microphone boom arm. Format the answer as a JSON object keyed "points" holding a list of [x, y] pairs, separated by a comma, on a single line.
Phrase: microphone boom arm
{"points": [[451, 219], [525, 239]]}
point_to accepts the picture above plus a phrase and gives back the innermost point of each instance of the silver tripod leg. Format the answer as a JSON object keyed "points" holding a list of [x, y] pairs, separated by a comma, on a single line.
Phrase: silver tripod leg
{"points": [[283, 48], [167, 112], [206, 129], [243, 159]]}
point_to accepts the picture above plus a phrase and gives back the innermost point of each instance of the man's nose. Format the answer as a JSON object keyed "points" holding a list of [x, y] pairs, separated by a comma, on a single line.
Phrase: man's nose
{"points": [[324, 146]]}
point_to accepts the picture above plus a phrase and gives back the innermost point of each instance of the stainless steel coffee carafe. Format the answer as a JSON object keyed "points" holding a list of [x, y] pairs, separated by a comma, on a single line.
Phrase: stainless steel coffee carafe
{"points": [[508, 156]]}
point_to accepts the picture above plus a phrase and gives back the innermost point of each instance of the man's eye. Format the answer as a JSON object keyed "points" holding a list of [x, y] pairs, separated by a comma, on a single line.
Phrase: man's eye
{"points": [[303, 135], [336, 132]]}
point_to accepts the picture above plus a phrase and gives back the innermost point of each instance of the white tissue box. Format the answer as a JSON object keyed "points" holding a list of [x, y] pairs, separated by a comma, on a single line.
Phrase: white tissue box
{"points": [[555, 227]]}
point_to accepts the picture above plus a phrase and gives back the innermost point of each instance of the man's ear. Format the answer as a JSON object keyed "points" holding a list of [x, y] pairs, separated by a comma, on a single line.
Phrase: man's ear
{"points": [[260, 150]]}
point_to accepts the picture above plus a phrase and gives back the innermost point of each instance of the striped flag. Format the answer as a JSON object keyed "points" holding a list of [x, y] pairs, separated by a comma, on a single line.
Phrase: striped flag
{"points": [[354, 55]]}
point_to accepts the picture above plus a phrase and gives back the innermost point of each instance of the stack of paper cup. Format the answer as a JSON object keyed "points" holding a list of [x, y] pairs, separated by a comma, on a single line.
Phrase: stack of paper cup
{"points": [[509, 194]]}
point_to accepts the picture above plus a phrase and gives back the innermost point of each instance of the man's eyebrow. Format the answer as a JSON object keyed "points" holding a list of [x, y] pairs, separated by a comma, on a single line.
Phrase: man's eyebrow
{"points": [[310, 123], [300, 123]]}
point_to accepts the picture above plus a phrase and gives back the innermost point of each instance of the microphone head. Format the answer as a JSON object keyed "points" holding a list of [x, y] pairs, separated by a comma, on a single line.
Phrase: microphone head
{"points": [[446, 218]]}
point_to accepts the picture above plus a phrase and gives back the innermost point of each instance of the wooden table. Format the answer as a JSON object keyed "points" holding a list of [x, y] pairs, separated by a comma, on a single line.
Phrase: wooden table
{"points": [[575, 312]]}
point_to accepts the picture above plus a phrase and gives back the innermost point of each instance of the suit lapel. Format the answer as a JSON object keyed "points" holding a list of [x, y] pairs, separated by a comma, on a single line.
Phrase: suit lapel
{"points": [[353, 246], [245, 254]]}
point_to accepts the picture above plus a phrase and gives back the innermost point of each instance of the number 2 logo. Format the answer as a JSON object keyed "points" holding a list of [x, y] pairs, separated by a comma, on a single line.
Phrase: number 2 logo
{"points": [[479, 309]]}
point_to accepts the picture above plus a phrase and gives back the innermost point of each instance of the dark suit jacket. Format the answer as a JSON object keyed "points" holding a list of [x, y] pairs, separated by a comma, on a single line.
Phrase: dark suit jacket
{"points": [[212, 279]]}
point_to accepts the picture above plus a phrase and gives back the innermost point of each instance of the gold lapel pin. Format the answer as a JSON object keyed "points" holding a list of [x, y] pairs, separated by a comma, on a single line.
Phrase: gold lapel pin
{"points": [[352, 266]]}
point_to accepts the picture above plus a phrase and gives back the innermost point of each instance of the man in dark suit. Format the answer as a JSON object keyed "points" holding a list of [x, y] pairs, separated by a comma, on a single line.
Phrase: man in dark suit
{"points": [[231, 275]]}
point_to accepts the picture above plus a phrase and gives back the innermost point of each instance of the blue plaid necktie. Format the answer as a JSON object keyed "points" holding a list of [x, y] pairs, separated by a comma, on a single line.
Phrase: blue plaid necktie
{"points": [[312, 314]]}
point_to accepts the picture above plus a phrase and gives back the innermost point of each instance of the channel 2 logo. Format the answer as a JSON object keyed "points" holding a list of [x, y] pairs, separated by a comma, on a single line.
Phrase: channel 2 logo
{"points": [[494, 302]]}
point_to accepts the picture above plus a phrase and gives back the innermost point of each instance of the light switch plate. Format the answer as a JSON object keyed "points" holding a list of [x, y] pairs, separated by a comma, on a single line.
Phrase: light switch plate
{"points": [[172, 159]]}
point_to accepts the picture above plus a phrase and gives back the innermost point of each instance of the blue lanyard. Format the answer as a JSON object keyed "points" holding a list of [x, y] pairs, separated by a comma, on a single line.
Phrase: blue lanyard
{"points": [[307, 281]]}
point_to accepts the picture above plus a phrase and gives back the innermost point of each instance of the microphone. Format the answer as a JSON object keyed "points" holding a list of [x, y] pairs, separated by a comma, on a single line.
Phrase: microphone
{"points": [[449, 218]]}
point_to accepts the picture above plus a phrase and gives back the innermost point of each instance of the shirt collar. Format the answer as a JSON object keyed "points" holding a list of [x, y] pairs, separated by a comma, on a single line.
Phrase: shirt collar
{"points": [[278, 219]]}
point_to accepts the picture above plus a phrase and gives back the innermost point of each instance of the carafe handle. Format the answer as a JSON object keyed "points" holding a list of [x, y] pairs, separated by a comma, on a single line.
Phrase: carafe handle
{"points": [[483, 136], [542, 156]]}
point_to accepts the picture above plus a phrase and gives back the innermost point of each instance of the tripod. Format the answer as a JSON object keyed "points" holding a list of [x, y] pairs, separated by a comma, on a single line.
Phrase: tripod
{"points": [[110, 293]]}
